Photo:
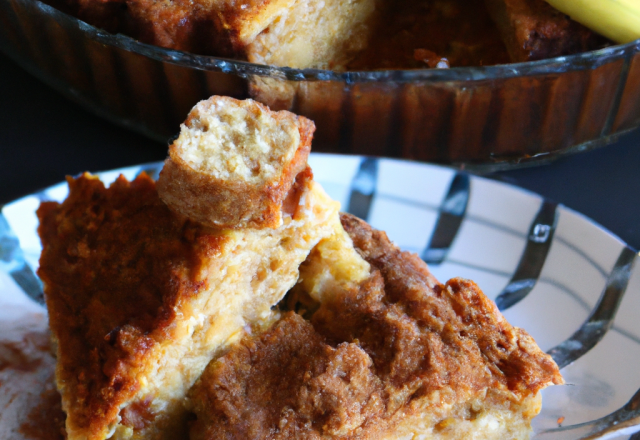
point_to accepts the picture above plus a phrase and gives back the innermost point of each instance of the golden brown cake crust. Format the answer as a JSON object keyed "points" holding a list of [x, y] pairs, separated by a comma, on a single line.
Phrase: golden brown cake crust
{"points": [[226, 202], [312, 389], [116, 266], [370, 357], [457, 312]]}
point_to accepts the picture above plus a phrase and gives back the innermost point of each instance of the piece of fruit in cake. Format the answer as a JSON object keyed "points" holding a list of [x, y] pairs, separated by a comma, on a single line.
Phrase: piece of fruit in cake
{"points": [[142, 297]]}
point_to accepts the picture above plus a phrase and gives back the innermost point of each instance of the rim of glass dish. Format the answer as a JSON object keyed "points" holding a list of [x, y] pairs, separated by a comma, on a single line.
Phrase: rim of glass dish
{"points": [[581, 61]]}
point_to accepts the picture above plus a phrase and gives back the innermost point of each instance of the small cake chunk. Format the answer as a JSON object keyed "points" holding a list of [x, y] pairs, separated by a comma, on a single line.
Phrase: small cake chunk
{"points": [[534, 30], [234, 163], [321, 34]]}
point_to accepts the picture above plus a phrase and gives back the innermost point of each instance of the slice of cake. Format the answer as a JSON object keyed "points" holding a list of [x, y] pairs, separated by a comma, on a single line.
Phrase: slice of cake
{"points": [[394, 356], [141, 297]]}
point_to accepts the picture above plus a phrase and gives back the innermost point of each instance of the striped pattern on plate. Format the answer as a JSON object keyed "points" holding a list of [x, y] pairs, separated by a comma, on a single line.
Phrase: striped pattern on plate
{"points": [[573, 285]]}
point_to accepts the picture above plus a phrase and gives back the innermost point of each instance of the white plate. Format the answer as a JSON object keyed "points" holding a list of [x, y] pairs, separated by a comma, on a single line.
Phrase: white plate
{"points": [[555, 263]]}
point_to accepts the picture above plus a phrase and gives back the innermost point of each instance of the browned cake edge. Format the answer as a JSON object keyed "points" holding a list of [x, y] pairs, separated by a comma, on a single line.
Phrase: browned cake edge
{"points": [[116, 266]]}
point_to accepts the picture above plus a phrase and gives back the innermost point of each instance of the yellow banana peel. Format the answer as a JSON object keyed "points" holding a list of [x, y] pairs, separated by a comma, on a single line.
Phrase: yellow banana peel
{"points": [[618, 20]]}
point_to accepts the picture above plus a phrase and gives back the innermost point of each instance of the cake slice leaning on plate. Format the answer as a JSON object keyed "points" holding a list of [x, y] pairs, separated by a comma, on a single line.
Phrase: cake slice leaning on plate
{"points": [[396, 355], [141, 298]]}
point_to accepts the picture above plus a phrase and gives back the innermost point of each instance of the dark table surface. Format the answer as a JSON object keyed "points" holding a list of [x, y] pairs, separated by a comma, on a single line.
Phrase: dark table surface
{"points": [[44, 137]]}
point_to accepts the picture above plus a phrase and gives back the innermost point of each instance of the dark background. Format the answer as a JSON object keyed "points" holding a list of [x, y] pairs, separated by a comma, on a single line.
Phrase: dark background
{"points": [[44, 137]]}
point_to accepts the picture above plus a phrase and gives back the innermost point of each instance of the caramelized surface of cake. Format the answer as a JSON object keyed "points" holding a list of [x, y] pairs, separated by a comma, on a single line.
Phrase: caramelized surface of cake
{"points": [[140, 299], [312, 388], [397, 355]]}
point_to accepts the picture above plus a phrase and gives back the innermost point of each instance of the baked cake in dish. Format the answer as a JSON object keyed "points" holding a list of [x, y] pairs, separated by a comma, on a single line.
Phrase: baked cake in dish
{"points": [[397, 355], [347, 35], [295, 322], [141, 298]]}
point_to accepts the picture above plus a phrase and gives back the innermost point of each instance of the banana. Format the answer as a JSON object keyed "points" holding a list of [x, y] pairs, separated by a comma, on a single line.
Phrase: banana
{"points": [[618, 20]]}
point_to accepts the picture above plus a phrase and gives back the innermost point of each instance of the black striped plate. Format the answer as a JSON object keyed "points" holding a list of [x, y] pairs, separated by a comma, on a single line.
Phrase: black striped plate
{"points": [[569, 282]]}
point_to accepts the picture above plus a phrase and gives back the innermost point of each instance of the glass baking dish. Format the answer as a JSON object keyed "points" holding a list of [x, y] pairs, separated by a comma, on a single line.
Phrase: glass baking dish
{"points": [[485, 118]]}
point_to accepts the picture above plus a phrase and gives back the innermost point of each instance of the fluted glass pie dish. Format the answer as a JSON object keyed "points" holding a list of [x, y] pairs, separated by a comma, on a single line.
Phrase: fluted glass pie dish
{"points": [[484, 117]]}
